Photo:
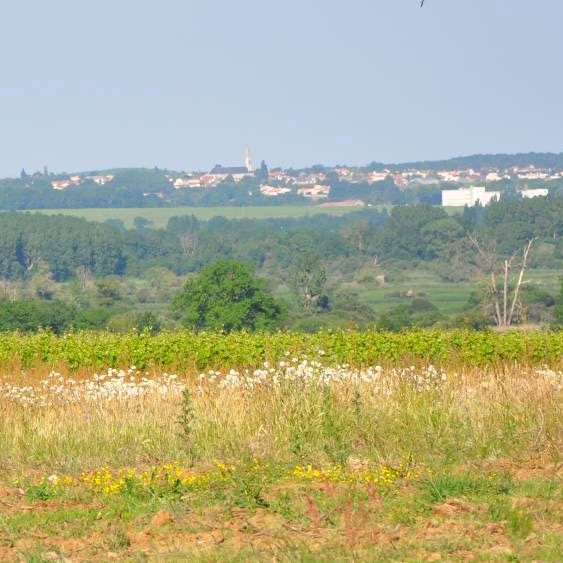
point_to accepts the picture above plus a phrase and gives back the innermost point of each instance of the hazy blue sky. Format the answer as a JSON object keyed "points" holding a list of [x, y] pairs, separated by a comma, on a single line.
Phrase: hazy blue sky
{"points": [[186, 84]]}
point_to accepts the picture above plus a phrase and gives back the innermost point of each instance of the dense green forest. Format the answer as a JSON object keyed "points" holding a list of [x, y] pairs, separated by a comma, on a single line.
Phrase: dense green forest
{"points": [[61, 271], [480, 161], [411, 233]]}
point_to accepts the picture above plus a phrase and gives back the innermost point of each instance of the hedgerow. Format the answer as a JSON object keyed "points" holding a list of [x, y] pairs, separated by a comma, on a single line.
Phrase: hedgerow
{"points": [[184, 350]]}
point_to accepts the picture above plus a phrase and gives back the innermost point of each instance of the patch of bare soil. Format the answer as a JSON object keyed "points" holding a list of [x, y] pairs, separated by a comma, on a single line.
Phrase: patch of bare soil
{"points": [[454, 507], [354, 526], [527, 469]]}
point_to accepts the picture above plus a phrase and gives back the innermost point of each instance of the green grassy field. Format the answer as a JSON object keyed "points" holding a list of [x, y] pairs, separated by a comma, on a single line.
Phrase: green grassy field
{"points": [[449, 297], [160, 215]]}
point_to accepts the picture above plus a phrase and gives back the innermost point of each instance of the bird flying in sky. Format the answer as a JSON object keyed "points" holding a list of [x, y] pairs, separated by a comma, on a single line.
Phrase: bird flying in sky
{"points": [[421, 3]]}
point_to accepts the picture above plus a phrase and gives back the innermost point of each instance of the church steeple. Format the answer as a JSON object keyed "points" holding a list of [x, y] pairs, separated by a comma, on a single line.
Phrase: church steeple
{"points": [[248, 161]]}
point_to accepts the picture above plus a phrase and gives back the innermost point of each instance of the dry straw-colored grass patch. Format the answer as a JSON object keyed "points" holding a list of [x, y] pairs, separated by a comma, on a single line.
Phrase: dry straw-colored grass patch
{"points": [[297, 411]]}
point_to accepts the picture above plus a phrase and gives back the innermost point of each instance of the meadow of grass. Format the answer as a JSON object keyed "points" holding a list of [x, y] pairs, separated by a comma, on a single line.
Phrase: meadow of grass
{"points": [[304, 459], [450, 298], [160, 215]]}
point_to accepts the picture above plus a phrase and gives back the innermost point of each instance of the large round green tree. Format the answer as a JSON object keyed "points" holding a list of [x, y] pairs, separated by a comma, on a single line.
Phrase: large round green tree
{"points": [[226, 295]]}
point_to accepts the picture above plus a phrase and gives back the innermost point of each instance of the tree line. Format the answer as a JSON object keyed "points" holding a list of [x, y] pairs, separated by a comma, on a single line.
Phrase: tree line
{"points": [[71, 268], [410, 233], [480, 161]]}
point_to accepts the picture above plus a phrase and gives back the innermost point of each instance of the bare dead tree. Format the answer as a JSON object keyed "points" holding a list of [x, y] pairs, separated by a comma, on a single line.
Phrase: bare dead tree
{"points": [[516, 299], [189, 243], [487, 255], [84, 276], [32, 257], [505, 307]]}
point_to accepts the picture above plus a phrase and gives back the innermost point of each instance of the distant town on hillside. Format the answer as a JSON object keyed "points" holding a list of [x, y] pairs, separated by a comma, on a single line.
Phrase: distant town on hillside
{"points": [[458, 182]]}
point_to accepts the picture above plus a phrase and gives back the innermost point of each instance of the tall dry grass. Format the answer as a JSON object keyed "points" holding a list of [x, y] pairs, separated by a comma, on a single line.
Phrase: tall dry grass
{"points": [[436, 419]]}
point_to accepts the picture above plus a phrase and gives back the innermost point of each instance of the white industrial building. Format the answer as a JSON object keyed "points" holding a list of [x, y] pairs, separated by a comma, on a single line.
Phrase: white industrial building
{"points": [[535, 192], [468, 196]]}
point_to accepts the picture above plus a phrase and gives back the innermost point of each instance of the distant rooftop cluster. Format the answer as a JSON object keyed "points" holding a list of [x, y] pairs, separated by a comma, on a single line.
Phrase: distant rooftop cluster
{"points": [[465, 184], [459, 186], [77, 180]]}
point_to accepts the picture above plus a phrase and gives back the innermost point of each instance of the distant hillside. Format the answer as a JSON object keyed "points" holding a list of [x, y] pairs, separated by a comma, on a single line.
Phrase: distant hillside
{"points": [[478, 161]]}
